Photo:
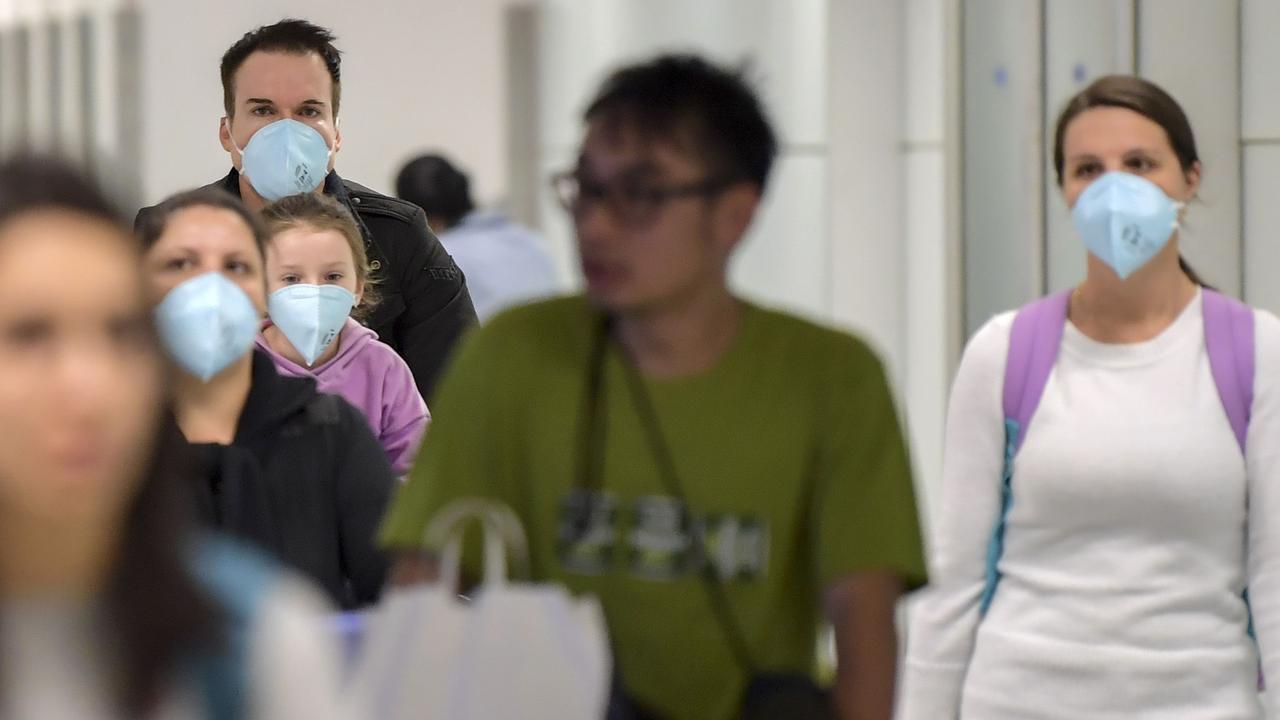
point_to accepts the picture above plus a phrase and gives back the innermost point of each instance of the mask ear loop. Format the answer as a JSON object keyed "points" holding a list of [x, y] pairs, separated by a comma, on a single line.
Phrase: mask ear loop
{"points": [[1178, 207], [231, 136]]}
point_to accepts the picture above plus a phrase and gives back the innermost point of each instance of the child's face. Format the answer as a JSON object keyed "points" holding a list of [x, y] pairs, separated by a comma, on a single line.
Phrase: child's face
{"points": [[313, 257]]}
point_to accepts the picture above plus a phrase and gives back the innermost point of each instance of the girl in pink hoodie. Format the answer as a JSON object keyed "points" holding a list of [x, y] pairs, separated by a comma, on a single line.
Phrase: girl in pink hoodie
{"points": [[318, 277]]}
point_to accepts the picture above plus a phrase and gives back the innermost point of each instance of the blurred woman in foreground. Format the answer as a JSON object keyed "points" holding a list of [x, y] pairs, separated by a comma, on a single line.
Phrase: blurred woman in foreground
{"points": [[110, 607]]}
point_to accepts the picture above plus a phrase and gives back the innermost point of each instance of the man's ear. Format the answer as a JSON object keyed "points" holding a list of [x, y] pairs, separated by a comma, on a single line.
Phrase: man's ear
{"points": [[735, 210], [224, 135]]}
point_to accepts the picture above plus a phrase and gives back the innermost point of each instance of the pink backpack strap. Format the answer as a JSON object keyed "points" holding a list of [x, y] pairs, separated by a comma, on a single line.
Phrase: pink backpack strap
{"points": [[1228, 338]]}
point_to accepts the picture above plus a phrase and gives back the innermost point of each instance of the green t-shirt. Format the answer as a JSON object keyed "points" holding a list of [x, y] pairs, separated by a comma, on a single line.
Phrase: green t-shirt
{"points": [[790, 456]]}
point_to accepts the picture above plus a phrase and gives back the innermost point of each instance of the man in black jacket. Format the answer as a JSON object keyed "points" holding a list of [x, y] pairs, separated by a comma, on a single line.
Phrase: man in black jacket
{"points": [[291, 72]]}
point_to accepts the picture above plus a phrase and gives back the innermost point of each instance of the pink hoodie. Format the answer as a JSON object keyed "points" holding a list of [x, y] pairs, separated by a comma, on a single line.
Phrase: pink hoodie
{"points": [[371, 376]]}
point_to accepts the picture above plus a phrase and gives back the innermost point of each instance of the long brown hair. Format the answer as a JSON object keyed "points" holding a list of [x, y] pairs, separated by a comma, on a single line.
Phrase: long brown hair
{"points": [[155, 611], [1148, 100]]}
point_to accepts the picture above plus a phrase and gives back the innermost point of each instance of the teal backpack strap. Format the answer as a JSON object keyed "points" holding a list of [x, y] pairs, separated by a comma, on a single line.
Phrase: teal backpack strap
{"points": [[238, 579], [1033, 347]]}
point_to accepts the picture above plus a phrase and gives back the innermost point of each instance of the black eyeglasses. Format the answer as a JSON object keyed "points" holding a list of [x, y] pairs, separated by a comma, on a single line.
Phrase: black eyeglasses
{"points": [[634, 203]]}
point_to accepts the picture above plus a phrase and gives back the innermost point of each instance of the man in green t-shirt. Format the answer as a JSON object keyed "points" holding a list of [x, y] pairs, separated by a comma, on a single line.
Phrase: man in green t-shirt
{"points": [[720, 475]]}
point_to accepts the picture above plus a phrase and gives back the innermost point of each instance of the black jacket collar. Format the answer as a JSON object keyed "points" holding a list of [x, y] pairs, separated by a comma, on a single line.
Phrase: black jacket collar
{"points": [[333, 186]]}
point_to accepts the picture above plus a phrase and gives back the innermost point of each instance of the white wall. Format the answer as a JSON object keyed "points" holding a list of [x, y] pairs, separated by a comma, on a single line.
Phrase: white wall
{"points": [[1004, 142], [930, 158], [1084, 40], [1260, 149], [1206, 82], [416, 75], [893, 236]]}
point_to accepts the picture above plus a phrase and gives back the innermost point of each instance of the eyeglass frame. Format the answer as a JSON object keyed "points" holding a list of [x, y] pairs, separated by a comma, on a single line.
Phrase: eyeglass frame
{"points": [[656, 197]]}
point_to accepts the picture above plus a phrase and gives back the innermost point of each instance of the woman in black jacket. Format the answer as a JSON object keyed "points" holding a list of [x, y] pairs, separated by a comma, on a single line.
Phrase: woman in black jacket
{"points": [[296, 471]]}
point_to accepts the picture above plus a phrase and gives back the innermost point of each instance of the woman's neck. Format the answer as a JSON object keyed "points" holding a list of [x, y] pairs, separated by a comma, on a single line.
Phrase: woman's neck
{"points": [[1110, 310], [43, 560], [209, 412]]}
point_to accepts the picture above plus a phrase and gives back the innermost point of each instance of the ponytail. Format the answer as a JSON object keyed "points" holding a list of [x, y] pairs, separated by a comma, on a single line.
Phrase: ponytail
{"points": [[1192, 274]]}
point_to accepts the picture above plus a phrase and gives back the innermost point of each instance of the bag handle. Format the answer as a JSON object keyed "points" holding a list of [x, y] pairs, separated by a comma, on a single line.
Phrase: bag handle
{"points": [[503, 534], [402, 616]]}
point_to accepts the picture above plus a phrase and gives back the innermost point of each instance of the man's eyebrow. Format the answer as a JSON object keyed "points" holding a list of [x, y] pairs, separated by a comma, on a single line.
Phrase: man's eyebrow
{"points": [[266, 101]]}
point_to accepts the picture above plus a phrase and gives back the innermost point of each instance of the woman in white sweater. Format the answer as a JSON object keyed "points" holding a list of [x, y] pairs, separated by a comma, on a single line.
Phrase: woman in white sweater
{"points": [[1144, 490], [110, 607]]}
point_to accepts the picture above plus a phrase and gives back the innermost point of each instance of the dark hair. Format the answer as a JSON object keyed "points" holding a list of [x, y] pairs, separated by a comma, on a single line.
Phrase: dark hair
{"points": [[438, 187], [153, 223], [1148, 100], [290, 35], [156, 612], [321, 212], [32, 183], [710, 110]]}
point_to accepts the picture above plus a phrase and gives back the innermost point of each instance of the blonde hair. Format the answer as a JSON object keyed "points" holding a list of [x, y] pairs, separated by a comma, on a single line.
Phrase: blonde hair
{"points": [[321, 212]]}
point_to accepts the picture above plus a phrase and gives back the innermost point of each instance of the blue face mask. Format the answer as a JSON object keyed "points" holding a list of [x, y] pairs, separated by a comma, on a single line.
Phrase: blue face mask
{"points": [[1125, 220], [207, 323], [310, 316], [284, 158]]}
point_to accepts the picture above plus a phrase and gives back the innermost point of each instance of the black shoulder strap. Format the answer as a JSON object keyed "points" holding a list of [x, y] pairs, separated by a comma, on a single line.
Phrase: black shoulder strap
{"points": [[591, 441], [592, 431], [711, 581]]}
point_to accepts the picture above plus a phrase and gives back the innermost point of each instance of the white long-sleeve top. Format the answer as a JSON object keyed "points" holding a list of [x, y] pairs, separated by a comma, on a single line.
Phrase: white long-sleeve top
{"points": [[54, 665], [1135, 526]]}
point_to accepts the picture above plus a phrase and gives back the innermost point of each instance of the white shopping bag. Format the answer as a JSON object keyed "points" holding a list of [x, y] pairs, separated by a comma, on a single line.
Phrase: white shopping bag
{"points": [[515, 650]]}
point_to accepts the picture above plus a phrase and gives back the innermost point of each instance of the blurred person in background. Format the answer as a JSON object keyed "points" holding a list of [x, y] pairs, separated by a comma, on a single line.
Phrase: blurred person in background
{"points": [[294, 470], [110, 605], [722, 476], [282, 88], [505, 264], [318, 283]]}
